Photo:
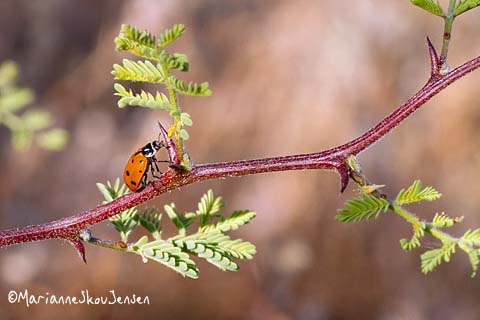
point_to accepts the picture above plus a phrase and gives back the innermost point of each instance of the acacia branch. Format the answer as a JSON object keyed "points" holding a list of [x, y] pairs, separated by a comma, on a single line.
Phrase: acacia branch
{"points": [[69, 228]]}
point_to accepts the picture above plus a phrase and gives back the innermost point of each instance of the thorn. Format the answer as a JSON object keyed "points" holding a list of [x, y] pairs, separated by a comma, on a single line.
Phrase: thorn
{"points": [[344, 177], [163, 132], [78, 244], [434, 61], [170, 146]]}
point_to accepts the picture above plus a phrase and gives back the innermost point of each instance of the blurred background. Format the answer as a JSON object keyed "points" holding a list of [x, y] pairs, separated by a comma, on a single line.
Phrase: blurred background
{"points": [[287, 77]]}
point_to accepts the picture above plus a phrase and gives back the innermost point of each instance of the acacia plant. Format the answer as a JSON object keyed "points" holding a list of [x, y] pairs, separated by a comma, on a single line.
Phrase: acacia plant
{"points": [[209, 240]]}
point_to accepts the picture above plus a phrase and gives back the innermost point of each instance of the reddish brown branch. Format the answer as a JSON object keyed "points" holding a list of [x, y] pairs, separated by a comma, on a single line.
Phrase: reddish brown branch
{"points": [[69, 228]]}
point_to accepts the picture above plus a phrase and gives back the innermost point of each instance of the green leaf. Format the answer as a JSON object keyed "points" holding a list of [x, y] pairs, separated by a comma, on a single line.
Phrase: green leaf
{"points": [[363, 208], [107, 192], [15, 100], [170, 256], [186, 162], [209, 204], [432, 258], [181, 221], [142, 241], [442, 220], [151, 219], [178, 61], [186, 119], [21, 138], [409, 244], [8, 73], [233, 222], [474, 258], [466, 5], [206, 246], [170, 35], [208, 207], [472, 238], [141, 50], [414, 242], [238, 248], [37, 119], [473, 255], [130, 37], [183, 134], [470, 243], [125, 221], [142, 71], [144, 99], [190, 89], [142, 43], [415, 194], [53, 139], [430, 6]]}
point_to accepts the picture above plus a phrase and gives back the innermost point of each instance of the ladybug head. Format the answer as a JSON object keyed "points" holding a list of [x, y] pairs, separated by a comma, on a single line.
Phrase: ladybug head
{"points": [[157, 145]]}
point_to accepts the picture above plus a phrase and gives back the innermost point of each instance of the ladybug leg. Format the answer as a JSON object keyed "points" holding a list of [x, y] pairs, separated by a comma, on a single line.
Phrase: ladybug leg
{"points": [[143, 182], [152, 169], [163, 161]]}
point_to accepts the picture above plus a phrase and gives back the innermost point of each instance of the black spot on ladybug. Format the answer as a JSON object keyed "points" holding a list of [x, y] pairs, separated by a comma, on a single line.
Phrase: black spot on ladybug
{"points": [[141, 161], [133, 160], [140, 171], [133, 182], [127, 173]]}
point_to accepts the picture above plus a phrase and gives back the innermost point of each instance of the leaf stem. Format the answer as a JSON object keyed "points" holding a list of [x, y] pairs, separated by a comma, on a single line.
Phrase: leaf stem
{"points": [[178, 111], [115, 245], [447, 33], [439, 234], [427, 226], [406, 215]]}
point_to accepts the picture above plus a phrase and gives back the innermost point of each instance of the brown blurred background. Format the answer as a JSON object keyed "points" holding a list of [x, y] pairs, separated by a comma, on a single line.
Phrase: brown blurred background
{"points": [[288, 77]]}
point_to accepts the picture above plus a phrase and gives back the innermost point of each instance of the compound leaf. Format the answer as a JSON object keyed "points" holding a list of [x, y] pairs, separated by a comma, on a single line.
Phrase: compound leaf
{"points": [[142, 71], [143, 99], [363, 208], [414, 193], [190, 89], [170, 35], [432, 258], [466, 5], [430, 6], [169, 255]]}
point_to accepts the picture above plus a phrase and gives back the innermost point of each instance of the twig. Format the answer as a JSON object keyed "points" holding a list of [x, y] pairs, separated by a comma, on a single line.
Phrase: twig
{"points": [[447, 34]]}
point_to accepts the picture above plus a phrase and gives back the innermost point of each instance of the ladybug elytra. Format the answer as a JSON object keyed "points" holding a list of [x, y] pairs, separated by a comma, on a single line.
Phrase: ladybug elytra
{"points": [[142, 161]]}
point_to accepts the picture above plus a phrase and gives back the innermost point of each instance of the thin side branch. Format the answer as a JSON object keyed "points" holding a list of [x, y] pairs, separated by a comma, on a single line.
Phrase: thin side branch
{"points": [[447, 34]]}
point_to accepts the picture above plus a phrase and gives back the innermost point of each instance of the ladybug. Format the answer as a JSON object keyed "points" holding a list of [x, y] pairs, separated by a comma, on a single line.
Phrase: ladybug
{"points": [[143, 160]]}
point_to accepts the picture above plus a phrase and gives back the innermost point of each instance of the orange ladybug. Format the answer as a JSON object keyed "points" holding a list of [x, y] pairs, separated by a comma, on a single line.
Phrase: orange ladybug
{"points": [[143, 160]]}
